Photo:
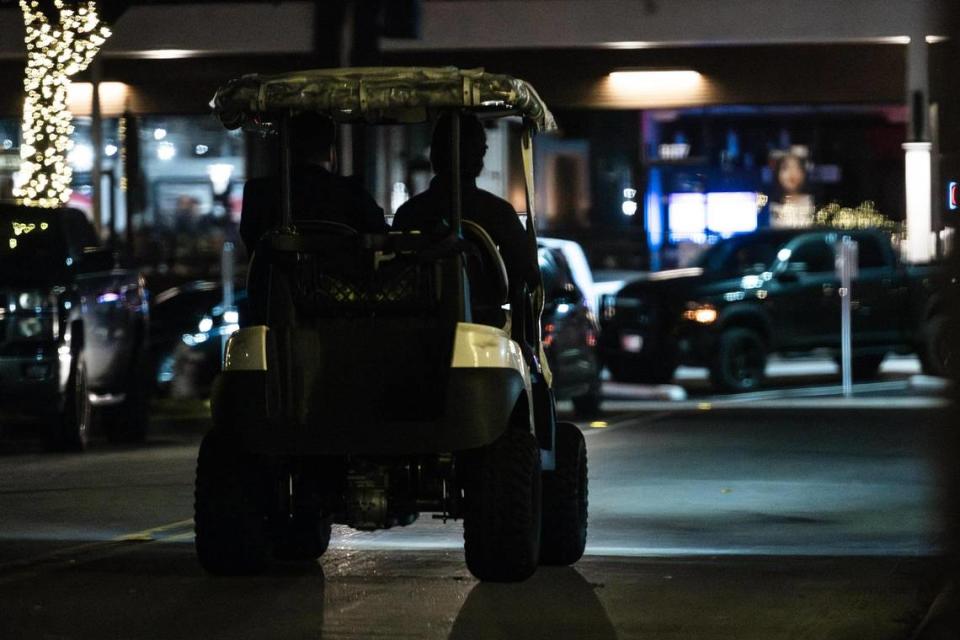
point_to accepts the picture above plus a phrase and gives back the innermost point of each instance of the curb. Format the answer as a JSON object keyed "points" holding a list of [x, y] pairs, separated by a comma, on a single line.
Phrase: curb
{"points": [[942, 621]]}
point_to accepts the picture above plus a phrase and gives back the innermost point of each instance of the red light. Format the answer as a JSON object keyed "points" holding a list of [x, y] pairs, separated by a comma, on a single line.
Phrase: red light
{"points": [[591, 339], [548, 334]]}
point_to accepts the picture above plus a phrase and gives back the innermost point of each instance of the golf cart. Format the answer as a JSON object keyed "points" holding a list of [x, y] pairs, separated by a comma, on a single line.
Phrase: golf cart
{"points": [[368, 391]]}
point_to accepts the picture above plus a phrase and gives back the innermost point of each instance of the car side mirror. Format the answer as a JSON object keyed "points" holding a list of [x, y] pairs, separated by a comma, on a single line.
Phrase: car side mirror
{"points": [[94, 259]]}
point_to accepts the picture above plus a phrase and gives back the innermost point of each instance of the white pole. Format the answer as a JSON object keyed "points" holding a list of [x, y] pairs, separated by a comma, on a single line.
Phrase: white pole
{"points": [[848, 266], [920, 245], [226, 274]]}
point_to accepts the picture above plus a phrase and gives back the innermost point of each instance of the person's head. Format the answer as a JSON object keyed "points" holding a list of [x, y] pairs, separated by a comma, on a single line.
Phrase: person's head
{"points": [[473, 145], [791, 174], [312, 138]]}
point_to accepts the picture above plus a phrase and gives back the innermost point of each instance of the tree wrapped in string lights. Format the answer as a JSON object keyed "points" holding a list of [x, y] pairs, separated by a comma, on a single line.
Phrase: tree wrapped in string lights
{"points": [[62, 39]]}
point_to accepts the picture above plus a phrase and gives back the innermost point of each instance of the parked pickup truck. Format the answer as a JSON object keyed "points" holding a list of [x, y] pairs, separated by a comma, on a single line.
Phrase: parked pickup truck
{"points": [[775, 291], [72, 329]]}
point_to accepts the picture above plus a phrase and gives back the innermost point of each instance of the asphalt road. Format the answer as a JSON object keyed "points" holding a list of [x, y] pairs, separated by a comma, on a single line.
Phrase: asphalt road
{"points": [[801, 523]]}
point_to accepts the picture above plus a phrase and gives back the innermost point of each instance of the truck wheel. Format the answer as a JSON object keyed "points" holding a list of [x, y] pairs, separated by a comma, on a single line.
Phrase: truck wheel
{"points": [[644, 372], [740, 360], [231, 506], [866, 367], [563, 534], [128, 421], [588, 405], [938, 353], [303, 537], [70, 430], [501, 522]]}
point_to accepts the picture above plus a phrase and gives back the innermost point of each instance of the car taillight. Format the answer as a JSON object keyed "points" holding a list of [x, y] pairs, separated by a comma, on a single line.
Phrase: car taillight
{"points": [[591, 338], [549, 334], [608, 306]]}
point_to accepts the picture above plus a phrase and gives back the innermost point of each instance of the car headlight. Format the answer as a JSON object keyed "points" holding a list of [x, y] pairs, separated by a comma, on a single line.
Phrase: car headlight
{"points": [[704, 313], [30, 300]]}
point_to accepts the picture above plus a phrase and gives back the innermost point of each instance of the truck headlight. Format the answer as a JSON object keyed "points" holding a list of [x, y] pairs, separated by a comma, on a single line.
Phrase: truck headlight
{"points": [[704, 314]]}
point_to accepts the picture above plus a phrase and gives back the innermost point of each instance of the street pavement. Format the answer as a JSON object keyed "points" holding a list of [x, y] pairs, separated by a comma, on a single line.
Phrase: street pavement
{"points": [[704, 523]]}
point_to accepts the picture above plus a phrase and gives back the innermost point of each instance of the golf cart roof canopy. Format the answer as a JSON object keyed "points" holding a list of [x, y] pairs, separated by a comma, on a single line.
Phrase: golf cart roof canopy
{"points": [[378, 95]]}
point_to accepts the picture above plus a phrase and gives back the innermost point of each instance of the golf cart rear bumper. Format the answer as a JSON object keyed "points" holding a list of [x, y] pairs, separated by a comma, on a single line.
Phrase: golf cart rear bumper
{"points": [[478, 404]]}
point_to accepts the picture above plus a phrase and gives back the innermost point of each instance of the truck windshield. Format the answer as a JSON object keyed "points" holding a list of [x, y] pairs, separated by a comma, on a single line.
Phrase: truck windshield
{"points": [[741, 255]]}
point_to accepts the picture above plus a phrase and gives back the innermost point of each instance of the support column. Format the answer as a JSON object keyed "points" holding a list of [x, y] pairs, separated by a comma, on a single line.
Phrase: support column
{"points": [[96, 137], [920, 244]]}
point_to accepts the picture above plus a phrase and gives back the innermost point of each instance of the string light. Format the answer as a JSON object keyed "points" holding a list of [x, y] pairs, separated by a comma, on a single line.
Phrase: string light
{"points": [[55, 52], [864, 216]]}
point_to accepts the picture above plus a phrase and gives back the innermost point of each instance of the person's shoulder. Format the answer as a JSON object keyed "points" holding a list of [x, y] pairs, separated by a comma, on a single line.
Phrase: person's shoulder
{"points": [[411, 212], [495, 202]]}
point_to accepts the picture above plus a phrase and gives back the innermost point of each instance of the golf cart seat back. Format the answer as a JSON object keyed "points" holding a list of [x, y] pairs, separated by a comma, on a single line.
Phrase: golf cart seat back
{"points": [[362, 326], [487, 275]]}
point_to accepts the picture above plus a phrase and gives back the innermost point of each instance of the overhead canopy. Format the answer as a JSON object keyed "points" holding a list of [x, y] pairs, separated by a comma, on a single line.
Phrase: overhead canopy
{"points": [[378, 95]]}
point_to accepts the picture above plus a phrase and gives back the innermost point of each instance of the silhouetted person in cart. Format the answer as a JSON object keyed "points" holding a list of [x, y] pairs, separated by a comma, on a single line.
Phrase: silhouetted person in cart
{"points": [[316, 192], [426, 211]]}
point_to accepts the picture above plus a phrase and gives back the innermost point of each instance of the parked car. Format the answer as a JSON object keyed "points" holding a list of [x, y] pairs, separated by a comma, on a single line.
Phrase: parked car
{"points": [[774, 291], [569, 335], [188, 322], [578, 267], [72, 329]]}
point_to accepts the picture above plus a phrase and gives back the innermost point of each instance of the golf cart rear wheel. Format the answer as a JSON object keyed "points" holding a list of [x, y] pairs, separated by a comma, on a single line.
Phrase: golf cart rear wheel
{"points": [[501, 524], [230, 508], [305, 537], [740, 361], [563, 535]]}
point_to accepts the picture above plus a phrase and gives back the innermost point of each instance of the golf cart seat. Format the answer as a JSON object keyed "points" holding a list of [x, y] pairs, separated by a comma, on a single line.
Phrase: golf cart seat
{"points": [[357, 326]]}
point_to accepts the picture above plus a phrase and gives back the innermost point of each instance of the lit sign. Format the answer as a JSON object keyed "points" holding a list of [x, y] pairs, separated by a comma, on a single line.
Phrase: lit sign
{"points": [[953, 196], [730, 213], [692, 215]]}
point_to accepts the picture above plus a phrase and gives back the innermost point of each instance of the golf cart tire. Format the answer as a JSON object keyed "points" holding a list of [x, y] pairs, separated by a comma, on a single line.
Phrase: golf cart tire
{"points": [[723, 369], [305, 538], [563, 535], [501, 526], [230, 508]]}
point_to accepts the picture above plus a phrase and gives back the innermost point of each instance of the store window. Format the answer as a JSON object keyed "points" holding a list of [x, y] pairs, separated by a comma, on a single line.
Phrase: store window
{"points": [[192, 173]]}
